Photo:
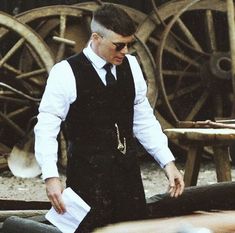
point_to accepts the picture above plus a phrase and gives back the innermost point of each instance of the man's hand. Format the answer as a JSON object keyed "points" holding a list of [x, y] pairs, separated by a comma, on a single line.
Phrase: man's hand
{"points": [[54, 190], [176, 182]]}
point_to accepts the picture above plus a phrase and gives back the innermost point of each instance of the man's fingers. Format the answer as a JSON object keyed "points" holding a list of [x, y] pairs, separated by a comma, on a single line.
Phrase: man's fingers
{"points": [[176, 189], [181, 186], [172, 190], [58, 204], [56, 201], [54, 190]]}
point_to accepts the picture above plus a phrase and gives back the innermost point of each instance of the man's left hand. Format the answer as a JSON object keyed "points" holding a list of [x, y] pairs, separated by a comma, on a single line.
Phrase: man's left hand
{"points": [[176, 182]]}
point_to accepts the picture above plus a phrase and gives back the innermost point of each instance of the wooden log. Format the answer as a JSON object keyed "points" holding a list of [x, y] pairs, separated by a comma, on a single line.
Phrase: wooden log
{"points": [[21, 213], [216, 222], [6, 204], [15, 224], [219, 196]]}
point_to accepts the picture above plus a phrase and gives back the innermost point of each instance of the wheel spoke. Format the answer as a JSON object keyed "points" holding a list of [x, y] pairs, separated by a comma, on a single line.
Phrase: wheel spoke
{"points": [[210, 30], [12, 124], [181, 56], [181, 92], [181, 73], [12, 69], [218, 103], [198, 106], [34, 56], [31, 74], [176, 53], [17, 112], [12, 51], [7, 99], [189, 35], [61, 48], [184, 91]]}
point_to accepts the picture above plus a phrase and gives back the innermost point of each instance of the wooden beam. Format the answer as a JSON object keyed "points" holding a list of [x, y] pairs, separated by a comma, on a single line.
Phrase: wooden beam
{"points": [[219, 196], [6, 204]]}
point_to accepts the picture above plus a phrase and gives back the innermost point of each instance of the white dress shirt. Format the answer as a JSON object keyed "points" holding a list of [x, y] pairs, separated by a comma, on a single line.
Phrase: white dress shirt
{"points": [[61, 91]]}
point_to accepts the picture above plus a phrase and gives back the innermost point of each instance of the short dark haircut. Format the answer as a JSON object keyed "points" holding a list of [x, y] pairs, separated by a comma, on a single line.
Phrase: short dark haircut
{"points": [[115, 19]]}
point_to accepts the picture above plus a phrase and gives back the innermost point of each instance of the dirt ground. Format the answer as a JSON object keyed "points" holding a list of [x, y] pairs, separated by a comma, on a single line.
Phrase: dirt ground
{"points": [[154, 181]]}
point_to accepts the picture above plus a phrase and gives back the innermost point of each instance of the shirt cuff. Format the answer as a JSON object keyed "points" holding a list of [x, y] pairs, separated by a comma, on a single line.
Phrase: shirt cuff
{"points": [[164, 156], [49, 170]]}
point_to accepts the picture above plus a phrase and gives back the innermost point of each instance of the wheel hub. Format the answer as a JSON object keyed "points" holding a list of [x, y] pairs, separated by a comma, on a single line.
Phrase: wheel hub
{"points": [[221, 65]]}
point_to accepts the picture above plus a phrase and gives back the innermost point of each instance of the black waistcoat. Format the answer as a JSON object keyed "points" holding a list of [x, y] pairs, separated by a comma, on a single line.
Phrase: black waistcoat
{"points": [[92, 117], [108, 180]]}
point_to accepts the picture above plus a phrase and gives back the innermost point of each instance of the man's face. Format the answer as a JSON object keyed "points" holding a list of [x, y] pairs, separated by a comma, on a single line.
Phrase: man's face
{"points": [[113, 47]]}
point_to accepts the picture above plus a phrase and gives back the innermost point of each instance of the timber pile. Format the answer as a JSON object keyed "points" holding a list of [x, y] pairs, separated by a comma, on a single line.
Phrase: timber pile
{"points": [[211, 206]]}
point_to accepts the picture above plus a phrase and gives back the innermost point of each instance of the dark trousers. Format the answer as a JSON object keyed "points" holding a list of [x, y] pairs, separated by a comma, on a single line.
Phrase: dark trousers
{"points": [[114, 191]]}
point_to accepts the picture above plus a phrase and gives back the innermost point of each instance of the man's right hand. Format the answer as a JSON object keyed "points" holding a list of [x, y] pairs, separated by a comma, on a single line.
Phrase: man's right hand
{"points": [[54, 190]]}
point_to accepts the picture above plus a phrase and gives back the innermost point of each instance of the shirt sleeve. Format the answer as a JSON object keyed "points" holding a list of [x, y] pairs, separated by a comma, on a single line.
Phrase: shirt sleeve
{"points": [[59, 93], [146, 127]]}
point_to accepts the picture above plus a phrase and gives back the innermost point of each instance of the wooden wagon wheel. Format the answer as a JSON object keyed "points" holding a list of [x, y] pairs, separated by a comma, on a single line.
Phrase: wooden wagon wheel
{"points": [[195, 80], [193, 59], [19, 99]]}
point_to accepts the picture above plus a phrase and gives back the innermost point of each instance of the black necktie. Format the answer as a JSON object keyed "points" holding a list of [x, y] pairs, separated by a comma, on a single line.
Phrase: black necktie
{"points": [[110, 79]]}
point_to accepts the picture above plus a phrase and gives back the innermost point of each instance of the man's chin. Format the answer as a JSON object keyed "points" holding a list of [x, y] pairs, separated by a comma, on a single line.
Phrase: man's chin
{"points": [[118, 61]]}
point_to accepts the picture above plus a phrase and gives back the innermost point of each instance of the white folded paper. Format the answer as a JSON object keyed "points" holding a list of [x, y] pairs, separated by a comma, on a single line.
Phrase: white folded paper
{"points": [[76, 210]]}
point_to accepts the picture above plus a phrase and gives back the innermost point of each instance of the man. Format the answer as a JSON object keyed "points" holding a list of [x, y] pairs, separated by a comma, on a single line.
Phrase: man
{"points": [[100, 93]]}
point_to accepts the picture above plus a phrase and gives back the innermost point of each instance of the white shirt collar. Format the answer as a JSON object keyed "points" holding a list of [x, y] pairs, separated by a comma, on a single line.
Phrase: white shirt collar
{"points": [[96, 60]]}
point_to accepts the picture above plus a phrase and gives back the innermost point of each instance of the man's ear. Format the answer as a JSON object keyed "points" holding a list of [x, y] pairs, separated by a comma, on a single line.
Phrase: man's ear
{"points": [[95, 36]]}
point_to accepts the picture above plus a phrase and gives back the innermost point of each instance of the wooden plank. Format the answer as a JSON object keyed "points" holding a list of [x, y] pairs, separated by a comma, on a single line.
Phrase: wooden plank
{"points": [[218, 222], [6, 204], [206, 136]]}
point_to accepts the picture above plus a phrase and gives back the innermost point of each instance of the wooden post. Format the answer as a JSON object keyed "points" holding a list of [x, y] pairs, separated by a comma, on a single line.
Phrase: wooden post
{"points": [[192, 165], [222, 163], [231, 26]]}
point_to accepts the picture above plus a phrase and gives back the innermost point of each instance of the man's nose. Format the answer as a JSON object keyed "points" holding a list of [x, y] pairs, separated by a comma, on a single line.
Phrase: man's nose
{"points": [[125, 49]]}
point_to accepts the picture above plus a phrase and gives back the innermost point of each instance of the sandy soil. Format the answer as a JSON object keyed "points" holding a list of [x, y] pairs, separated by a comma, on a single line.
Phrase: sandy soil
{"points": [[154, 181]]}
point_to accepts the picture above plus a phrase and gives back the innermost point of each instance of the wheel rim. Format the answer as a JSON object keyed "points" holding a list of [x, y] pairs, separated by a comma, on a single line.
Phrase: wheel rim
{"points": [[18, 99]]}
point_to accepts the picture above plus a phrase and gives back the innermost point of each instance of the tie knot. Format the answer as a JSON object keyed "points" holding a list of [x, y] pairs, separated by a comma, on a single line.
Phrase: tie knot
{"points": [[108, 67], [110, 79]]}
